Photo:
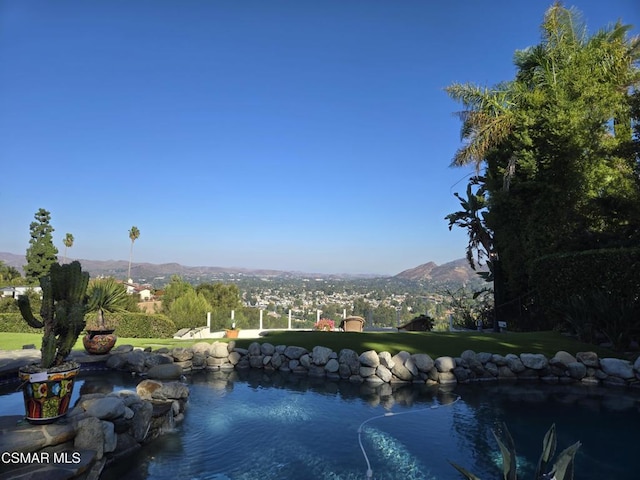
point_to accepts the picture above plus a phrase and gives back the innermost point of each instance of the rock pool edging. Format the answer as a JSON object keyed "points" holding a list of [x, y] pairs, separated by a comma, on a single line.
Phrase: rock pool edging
{"points": [[380, 367], [100, 429]]}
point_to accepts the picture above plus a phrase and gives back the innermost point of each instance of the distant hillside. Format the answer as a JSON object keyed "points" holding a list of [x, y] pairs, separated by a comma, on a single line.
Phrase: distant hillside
{"points": [[119, 268], [148, 271], [457, 271]]}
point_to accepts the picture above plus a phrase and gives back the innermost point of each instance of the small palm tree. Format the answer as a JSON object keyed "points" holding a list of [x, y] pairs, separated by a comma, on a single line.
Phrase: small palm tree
{"points": [[68, 243], [106, 295], [134, 234]]}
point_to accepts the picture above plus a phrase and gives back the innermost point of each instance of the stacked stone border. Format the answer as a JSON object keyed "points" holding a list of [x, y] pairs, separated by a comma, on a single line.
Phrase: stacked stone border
{"points": [[380, 367]]}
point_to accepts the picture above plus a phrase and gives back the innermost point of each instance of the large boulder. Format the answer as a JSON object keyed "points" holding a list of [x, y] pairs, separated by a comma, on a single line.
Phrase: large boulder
{"points": [[321, 355], [445, 364], [294, 353], [349, 358], [267, 348], [590, 359], [369, 359], [201, 347], [616, 367], [423, 362], [385, 359], [563, 358], [90, 436], [105, 408], [146, 388], [182, 354], [534, 361]]}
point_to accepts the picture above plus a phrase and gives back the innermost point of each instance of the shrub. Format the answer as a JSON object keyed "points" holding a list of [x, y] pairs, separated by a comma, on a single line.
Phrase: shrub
{"points": [[595, 316], [13, 323], [142, 325], [615, 272], [189, 310], [325, 325], [127, 324]]}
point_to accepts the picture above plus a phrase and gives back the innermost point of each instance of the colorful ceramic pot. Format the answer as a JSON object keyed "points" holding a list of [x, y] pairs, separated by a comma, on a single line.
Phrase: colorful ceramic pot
{"points": [[47, 395], [99, 342]]}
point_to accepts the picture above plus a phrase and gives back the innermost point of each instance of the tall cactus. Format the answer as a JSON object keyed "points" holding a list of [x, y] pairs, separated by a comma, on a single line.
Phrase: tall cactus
{"points": [[64, 304]]}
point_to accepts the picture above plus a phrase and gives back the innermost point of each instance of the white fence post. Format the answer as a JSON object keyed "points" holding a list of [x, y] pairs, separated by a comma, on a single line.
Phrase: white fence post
{"points": [[261, 312], [289, 319]]}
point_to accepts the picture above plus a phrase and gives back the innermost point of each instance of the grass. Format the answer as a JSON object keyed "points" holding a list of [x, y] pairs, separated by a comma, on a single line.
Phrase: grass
{"points": [[435, 344]]}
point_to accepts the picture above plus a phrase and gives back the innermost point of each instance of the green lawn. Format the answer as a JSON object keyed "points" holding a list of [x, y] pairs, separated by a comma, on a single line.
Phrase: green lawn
{"points": [[436, 344]]}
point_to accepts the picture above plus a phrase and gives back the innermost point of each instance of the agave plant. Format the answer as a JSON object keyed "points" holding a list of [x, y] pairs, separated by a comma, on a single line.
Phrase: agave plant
{"points": [[562, 468], [106, 295]]}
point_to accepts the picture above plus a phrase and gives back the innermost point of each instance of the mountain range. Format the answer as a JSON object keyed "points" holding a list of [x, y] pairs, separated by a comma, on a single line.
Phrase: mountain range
{"points": [[456, 271]]}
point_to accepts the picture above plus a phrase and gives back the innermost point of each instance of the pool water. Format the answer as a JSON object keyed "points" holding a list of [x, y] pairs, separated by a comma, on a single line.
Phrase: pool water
{"points": [[256, 426]]}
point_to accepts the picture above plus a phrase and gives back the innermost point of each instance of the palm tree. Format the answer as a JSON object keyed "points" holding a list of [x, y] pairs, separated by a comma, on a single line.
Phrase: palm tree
{"points": [[68, 243], [106, 295], [487, 119], [134, 234]]}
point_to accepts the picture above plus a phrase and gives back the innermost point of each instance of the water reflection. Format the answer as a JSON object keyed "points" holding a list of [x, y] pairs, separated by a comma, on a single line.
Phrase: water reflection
{"points": [[605, 421], [385, 395]]}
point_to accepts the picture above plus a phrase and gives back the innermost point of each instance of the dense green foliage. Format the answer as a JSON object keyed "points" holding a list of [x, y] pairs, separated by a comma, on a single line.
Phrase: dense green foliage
{"points": [[8, 274], [558, 150], [593, 293], [14, 323], [142, 325], [189, 310], [614, 271], [128, 324], [41, 253]]}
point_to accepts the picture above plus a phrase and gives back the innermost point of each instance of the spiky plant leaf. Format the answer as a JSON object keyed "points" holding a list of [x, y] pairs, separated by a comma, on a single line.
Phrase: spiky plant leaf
{"points": [[468, 475], [563, 467], [548, 450], [508, 450]]}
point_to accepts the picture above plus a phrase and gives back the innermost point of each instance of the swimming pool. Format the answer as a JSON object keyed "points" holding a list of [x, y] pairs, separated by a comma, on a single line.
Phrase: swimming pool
{"points": [[248, 425]]}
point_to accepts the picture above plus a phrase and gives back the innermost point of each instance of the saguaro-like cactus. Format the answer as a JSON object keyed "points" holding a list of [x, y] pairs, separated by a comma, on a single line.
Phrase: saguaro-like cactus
{"points": [[64, 304]]}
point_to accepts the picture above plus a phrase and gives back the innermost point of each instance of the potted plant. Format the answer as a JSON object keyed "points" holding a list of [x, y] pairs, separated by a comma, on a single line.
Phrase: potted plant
{"points": [[325, 325], [105, 295], [48, 386], [231, 332]]}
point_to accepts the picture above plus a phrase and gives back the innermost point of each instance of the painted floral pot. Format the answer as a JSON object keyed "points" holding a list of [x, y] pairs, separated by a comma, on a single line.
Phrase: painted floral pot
{"points": [[99, 342], [47, 395]]}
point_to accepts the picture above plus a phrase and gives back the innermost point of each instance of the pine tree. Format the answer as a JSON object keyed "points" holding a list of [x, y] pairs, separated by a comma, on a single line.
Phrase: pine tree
{"points": [[41, 253]]}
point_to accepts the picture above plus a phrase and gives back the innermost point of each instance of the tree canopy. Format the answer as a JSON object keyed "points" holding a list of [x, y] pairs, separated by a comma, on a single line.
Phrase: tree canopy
{"points": [[557, 147], [41, 253]]}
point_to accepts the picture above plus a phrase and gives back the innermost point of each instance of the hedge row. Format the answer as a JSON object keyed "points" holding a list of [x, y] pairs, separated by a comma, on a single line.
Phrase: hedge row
{"points": [[131, 325], [14, 323], [561, 276], [143, 325]]}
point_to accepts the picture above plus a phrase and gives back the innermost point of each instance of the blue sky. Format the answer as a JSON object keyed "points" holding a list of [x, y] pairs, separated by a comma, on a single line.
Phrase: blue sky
{"points": [[294, 135]]}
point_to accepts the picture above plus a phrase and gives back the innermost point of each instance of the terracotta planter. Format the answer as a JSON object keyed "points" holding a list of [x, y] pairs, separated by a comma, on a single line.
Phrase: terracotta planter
{"points": [[47, 394], [99, 342], [231, 333]]}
